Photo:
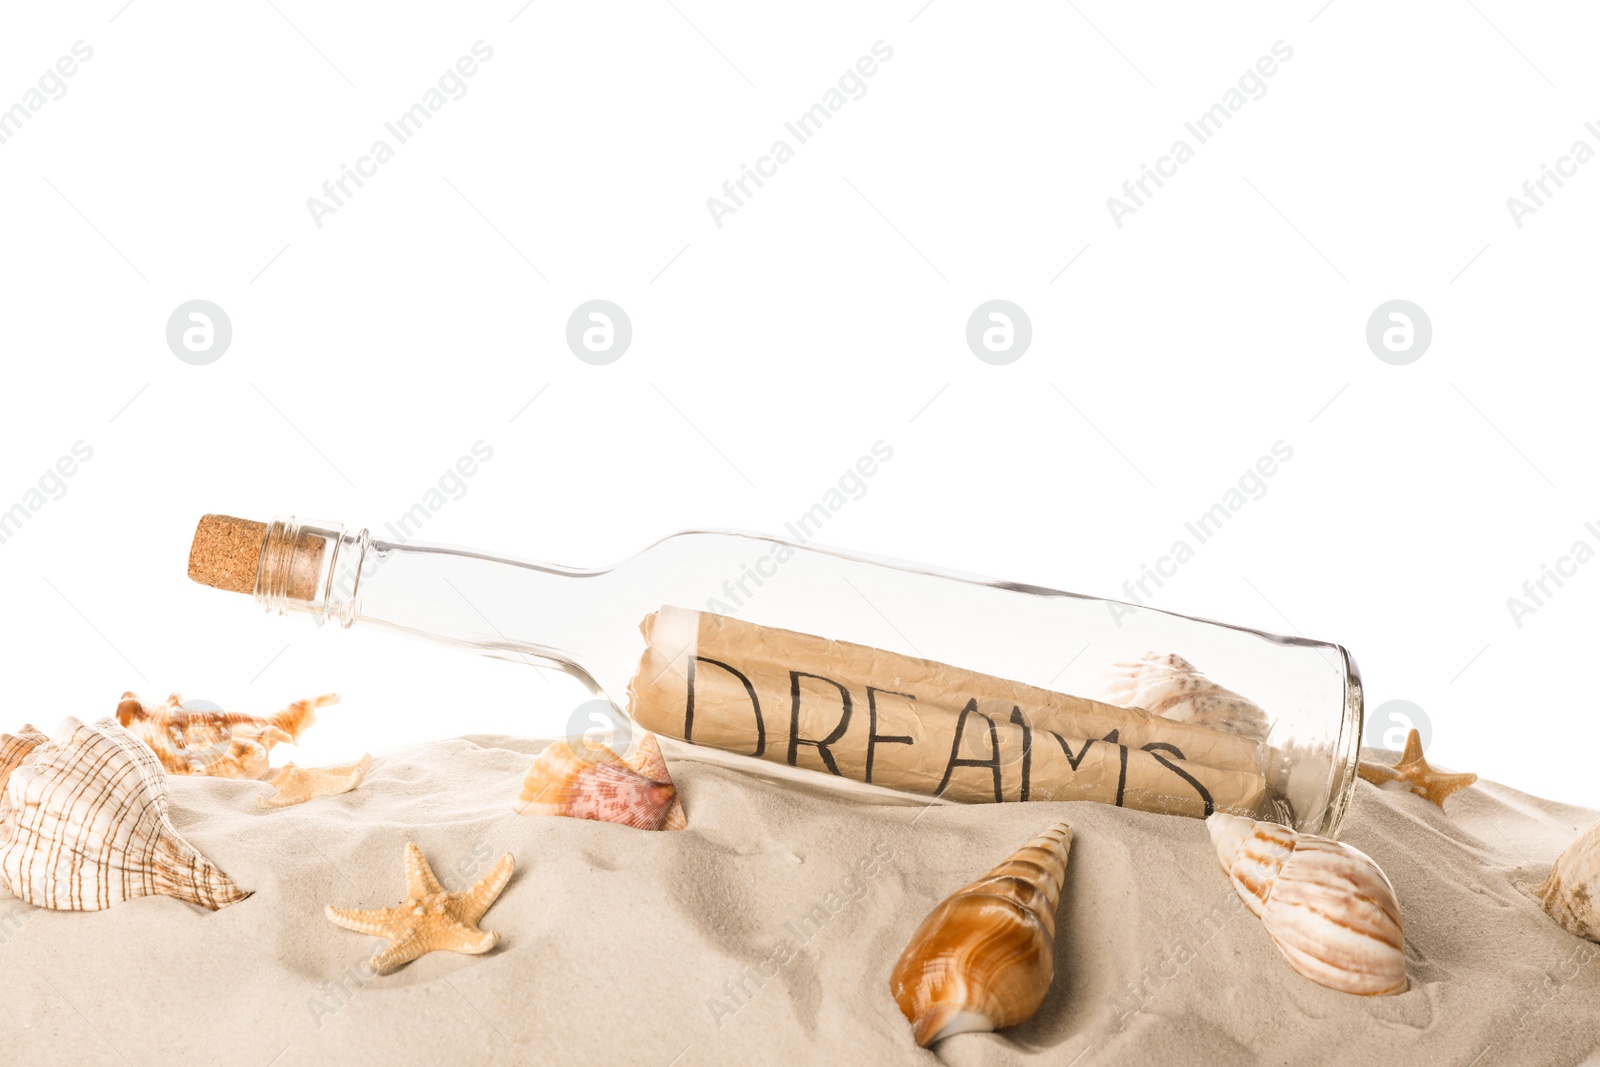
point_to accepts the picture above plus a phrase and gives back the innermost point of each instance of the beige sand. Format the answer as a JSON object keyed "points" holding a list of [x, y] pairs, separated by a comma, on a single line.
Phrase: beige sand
{"points": [[626, 947]]}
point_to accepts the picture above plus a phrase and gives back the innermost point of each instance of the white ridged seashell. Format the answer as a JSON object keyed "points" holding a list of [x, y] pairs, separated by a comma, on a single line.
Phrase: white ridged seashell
{"points": [[1172, 687], [1328, 907], [88, 827], [1571, 895]]}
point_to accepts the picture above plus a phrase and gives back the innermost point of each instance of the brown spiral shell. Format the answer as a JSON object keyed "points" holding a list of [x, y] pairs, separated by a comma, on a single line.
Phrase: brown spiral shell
{"points": [[985, 957]]}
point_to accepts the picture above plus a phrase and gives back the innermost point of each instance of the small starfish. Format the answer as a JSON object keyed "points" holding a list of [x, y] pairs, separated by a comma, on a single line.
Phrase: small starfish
{"points": [[1420, 778], [431, 919], [296, 785]]}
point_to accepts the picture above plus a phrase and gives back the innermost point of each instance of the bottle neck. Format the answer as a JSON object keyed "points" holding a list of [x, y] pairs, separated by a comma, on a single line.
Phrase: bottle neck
{"points": [[305, 569], [504, 608]]}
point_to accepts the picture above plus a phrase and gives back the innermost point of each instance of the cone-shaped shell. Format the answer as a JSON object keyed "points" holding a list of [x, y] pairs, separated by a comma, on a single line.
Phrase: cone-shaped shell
{"points": [[985, 957], [1328, 907], [589, 781], [1571, 895], [88, 827], [219, 744]]}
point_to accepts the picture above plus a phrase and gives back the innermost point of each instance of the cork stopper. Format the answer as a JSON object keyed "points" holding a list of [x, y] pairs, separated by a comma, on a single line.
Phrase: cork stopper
{"points": [[227, 554]]}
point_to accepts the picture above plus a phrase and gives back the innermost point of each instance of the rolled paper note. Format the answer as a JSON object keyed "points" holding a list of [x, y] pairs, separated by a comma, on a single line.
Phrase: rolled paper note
{"points": [[925, 727]]}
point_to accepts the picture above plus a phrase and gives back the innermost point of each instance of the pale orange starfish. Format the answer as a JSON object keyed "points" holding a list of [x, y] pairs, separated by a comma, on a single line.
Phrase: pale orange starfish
{"points": [[296, 785], [431, 919], [1420, 778]]}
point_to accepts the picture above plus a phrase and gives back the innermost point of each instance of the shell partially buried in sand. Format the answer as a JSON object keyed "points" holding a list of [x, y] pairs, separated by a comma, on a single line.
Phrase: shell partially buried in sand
{"points": [[985, 957], [220, 744], [589, 781], [87, 827], [1328, 907], [1571, 894]]}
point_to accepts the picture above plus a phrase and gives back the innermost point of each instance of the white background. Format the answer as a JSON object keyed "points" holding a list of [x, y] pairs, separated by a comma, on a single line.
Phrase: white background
{"points": [[829, 312]]}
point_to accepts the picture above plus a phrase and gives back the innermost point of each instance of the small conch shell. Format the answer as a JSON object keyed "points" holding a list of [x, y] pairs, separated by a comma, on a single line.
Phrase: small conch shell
{"points": [[1328, 907], [88, 827], [1571, 894], [221, 744], [1172, 687], [590, 781], [985, 957]]}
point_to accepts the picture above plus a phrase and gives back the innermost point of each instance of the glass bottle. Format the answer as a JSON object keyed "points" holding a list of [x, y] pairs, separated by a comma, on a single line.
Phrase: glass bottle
{"points": [[852, 654]]}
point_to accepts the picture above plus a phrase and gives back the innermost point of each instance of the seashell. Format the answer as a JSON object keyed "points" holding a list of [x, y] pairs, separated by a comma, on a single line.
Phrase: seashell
{"points": [[647, 760], [15, 747], [589, 781], [1571, 894], [1328, 907], [985, 957], [221, 744], [1174, 688], [88, 827]]}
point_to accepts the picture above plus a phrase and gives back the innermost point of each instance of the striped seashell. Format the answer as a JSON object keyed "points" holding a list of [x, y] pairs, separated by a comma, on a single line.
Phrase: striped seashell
{"points": [[88, 827], [1571, 894], [1328, 907], [985, 957], [589, 781], [646, 758], [220, 744]]}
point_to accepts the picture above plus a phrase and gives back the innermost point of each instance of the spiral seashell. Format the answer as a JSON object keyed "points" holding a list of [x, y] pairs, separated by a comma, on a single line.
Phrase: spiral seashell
{"points": [[1328, 907], [1571, 894], [1172, 687], [219, 744], [590, 781], [88, 827], [985, 957]]}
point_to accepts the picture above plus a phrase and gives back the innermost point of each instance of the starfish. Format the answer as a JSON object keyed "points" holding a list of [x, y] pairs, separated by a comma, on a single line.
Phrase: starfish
{"points": [[431, 918], [296, 785], [1414, 771]]}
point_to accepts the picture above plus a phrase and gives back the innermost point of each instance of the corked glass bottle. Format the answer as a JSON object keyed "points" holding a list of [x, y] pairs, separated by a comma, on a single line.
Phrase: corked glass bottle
{"points": [[879, 676]]}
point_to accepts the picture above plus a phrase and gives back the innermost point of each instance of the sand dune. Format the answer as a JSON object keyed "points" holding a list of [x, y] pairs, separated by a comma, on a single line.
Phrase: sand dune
{"points": [[766, 932]]}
